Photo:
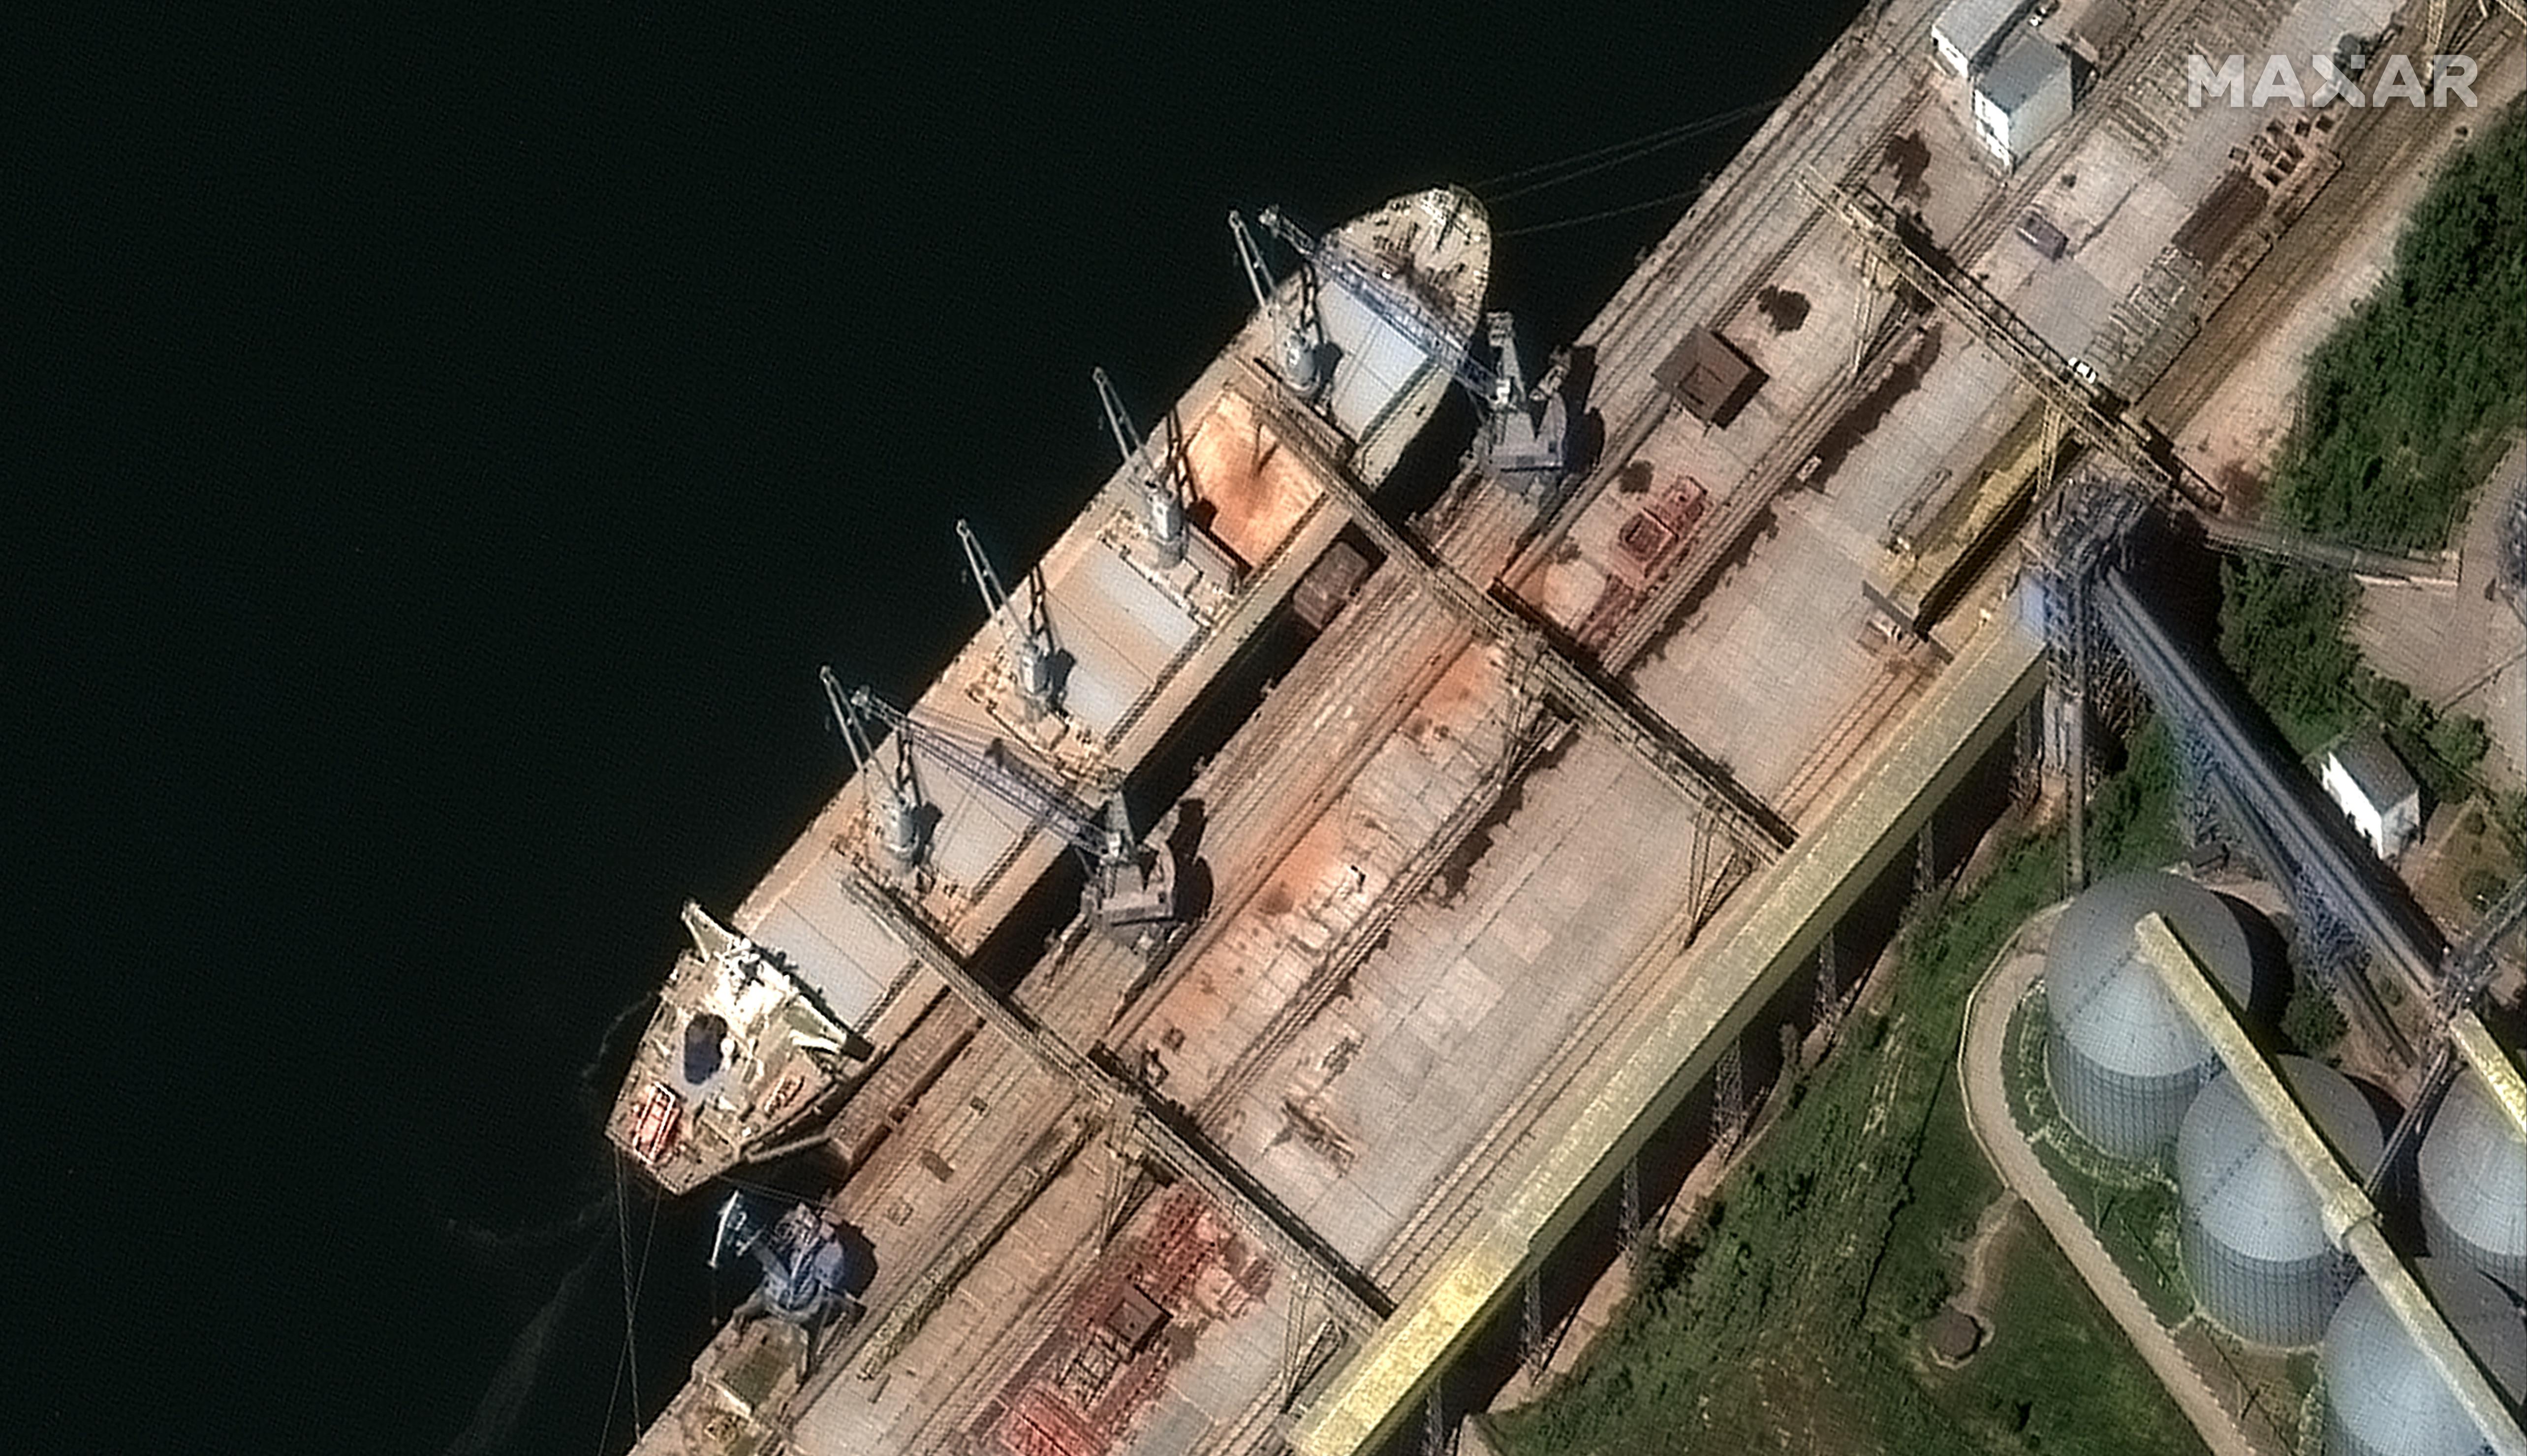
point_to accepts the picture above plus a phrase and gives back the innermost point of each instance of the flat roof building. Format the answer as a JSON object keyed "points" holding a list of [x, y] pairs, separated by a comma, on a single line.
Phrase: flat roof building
{"points": [[2375, 791], [2023, 97], [1965, 31], [1710, 376]]}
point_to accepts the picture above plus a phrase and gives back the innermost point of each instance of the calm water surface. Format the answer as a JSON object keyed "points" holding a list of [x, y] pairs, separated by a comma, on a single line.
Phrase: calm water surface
{"points": [[463, 438]]}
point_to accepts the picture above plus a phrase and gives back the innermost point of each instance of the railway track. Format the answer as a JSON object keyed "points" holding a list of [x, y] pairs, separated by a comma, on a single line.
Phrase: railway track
{"points": [[2381, 147], [1655, 308], [1354, 946], [1897, 683], [1454, 1207], [1276, 808]]}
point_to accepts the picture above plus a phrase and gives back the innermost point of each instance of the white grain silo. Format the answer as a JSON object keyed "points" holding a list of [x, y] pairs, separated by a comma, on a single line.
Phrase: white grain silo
{"points": [[2122, 1061], [2384, 1397], [2254, 1236], [2474, 1184]]}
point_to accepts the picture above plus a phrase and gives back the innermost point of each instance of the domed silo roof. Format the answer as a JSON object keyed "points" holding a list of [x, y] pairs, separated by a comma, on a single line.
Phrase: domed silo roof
{"points": [[2383, 1396], [2123, 1060], [2474, 1184], [2254, 1236]]}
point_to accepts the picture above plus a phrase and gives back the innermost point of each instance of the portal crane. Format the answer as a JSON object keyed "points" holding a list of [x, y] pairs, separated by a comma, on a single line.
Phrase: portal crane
{"points": [[1300, 333], [802, 1259], [1129, 884], [1163, 485], [1028, 637], [895, 808], [1529, 438], [1527, 430]]}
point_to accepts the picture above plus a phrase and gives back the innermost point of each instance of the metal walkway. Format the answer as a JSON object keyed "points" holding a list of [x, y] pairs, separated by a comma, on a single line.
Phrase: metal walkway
{"points": [[1751, 822]]}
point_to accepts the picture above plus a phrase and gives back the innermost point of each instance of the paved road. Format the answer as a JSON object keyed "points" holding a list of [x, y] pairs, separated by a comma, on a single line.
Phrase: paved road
{"points": [[1987, 1103]]}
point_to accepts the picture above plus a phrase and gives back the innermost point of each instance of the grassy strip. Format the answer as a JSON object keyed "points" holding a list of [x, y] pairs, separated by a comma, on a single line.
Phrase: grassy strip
{"points": [[2132, 817], [2408, 405], [1789, 1319], [2133, 1210]]}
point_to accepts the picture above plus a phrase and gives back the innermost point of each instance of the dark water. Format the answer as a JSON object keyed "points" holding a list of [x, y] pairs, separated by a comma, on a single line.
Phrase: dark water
{"points": [[458, 441]]}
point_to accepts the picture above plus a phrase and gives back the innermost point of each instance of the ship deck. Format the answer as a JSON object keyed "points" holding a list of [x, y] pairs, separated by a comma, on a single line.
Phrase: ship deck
{"points": [[1137, 638]]}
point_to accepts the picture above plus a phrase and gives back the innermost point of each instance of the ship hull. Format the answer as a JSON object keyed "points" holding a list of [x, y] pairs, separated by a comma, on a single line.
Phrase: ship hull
{"points": [[1144, 632]]}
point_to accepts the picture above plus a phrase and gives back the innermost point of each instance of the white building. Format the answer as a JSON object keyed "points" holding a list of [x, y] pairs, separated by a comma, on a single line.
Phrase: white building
{"points": [[2364, 776], [2023, 97], [1965, 31]]}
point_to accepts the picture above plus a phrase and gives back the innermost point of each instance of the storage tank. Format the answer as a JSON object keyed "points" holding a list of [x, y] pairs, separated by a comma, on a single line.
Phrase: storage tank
{"points": [[2383, 1396], [2474, 1184], [2122, 1061], [2253, 1237]]}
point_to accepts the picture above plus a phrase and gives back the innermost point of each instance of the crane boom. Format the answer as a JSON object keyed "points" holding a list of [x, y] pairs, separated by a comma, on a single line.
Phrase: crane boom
{"points": [[1028, 642], [1527, 431], [1132, 884], [1128, 440], [1162, 505], [996, 598], [990, 766], [1251, 259], [1397, 307], [894, 797], [1301, 340]]}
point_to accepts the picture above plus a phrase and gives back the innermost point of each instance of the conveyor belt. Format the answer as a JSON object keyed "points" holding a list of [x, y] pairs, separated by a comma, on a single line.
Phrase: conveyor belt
{"points": [[2317, 849]]}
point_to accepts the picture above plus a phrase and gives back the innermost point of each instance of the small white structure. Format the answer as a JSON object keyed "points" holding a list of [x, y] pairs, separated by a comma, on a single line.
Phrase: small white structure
{"points": [[1965, 31], [2374, 787], [2023, 97]]}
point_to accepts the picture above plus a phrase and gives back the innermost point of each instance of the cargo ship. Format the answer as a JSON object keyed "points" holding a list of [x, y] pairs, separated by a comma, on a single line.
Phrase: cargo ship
{"points": [[1025, 748]]}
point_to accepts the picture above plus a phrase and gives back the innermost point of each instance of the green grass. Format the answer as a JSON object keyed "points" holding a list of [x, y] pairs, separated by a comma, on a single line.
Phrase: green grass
{"points": [[2133, 1212], [2130, 1207], [1789, 1319], [2092, 1392], [2132, 817], [2407, 406]]}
